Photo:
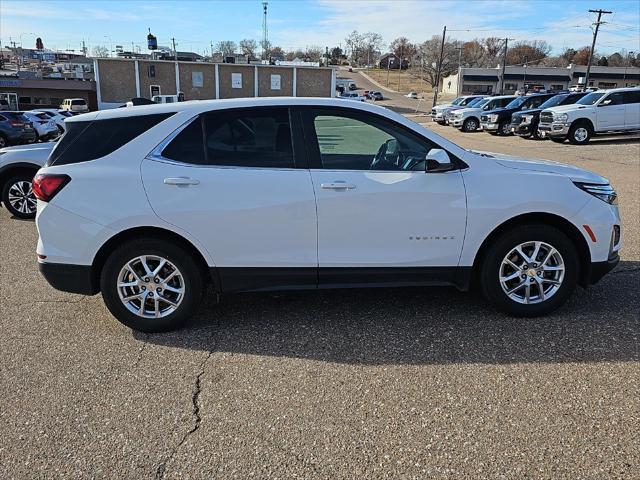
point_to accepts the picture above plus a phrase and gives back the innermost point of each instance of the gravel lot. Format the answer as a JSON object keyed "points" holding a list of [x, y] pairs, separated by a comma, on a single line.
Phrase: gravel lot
{"points": [[409, 383]]}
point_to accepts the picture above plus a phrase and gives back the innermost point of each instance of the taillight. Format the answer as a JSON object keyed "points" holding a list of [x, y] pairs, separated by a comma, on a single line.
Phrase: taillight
{"points": [[15, 123], [46, 186]]}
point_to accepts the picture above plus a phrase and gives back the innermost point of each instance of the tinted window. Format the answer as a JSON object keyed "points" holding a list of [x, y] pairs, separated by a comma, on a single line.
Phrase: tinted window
{"points": [[613, 99], [78, 102], [352, 141], [533, 102], [188, 145], [515, 103], [85, 141], [553, 101], [632, 97], [258, 137]]}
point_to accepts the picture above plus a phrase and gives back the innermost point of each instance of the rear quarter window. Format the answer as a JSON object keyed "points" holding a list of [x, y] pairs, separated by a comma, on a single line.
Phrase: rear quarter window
{"points": [[84, 141]]}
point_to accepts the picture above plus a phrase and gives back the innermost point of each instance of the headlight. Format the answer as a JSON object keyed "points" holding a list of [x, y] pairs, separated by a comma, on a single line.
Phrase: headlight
{"points": [[493, 117], [560, 117], [527, 118], [457, 115], [606, 193]]}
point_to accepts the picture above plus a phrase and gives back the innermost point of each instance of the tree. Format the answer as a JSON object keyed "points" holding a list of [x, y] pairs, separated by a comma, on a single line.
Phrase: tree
{"points": [[372, 43], [616, 60], [276, 53], [227, 48], [493, 48], [427, 59], [355, 44], [100, 51], [582, 56], [603, 62], [248, 47], [402, 48], [531, 52], [568, 55]]}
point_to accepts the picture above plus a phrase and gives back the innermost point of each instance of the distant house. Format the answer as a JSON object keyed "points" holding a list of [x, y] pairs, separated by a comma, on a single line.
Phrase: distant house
{"points": [[391, 61]]}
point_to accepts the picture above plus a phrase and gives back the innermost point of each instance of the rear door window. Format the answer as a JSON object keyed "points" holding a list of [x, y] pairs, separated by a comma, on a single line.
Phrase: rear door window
{"points": [[84, 141]]}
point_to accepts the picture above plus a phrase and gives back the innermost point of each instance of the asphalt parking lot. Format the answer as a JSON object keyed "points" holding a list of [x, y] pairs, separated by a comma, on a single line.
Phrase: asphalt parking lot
{"points": [[405, 383]]}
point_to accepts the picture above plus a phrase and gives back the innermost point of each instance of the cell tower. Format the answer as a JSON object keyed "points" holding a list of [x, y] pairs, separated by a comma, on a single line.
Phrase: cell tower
{"points": [[265, 31]]}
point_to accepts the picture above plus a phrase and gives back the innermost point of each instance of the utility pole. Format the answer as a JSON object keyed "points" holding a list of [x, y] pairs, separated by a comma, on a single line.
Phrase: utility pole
{"points": [[175, 52], [211, 43], [626, 65], [435, 94], [504, 64], [400, 68], [15, 52], [459, 71], [388, 68], [524, 81], [593, 44]]}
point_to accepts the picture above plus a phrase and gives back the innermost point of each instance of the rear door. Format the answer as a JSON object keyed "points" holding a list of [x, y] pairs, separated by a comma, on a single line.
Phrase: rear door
{"points": [[233, 180], [381, 218], [611, 112], [632, 109]]}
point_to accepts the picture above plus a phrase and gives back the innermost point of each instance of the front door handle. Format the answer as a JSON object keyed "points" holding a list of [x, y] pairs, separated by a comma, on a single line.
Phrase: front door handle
{"points": [[181, 181], [337, 185]]}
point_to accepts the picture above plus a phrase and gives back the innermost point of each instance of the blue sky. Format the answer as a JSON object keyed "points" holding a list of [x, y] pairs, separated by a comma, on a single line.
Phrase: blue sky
{"points": [[297, 23]]}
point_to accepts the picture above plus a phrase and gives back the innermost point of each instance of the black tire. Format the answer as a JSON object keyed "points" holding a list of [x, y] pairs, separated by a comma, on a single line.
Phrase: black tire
{"points": [[580, 133], [3, 141], [503, 128], [440, 122], [192, 276], [470, 125], [489, 274], [17, 184]]}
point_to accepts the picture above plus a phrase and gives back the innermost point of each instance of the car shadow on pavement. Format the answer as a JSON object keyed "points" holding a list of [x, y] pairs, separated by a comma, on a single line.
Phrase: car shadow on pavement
{"points": [[414, 326]]}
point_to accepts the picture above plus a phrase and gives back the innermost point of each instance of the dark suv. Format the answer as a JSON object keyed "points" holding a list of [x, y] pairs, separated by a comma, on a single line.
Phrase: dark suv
{"points": [[525, 123], [498, 122], [15, 129]]}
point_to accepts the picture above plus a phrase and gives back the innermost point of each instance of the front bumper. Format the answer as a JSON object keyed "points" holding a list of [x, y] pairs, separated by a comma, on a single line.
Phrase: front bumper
{"points": [[597, 270], [521, 129], [555, 129], [70, 278], [457, 122], [489, 127]]}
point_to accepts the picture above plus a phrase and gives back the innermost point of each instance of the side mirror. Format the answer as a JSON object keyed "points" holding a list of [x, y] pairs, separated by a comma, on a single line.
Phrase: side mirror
{"points": [[605, 102], [438, 161]]}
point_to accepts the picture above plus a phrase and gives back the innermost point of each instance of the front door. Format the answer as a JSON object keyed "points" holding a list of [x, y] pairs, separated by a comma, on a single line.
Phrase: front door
{"points": [[233, 181], [611, 112], [632, 109], [381, 218]]}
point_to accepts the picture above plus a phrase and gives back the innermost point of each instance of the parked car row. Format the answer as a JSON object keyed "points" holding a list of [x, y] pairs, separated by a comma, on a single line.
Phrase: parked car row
{"points": [[560, 116], [21, 127]]}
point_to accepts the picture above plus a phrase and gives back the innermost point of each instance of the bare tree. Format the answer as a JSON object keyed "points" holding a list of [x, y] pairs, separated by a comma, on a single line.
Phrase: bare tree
{"points": [[403, 48], [531, 52], [227, 47], [248, 47], [100, 51], [372, 43], [355, 45], [428, 56]]}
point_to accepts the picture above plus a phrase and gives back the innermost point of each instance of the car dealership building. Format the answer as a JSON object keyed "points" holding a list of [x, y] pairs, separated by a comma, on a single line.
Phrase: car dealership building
{"points": [[488, 80]]}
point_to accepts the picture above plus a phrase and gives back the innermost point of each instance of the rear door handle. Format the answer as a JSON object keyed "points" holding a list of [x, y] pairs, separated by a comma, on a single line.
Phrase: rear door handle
{"points": [[181, 181], [337, 185]]}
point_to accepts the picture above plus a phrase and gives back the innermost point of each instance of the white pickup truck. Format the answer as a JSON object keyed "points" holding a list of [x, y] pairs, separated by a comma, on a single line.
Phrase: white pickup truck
{"points": [[603, 111]]}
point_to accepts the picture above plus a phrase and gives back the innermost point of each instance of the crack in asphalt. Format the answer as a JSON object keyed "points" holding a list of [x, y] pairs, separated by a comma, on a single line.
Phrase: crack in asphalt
{"points": [[195, 401]]}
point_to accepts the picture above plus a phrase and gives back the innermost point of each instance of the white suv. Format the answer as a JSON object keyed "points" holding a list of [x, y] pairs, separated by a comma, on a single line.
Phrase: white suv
{"points": [[468, 119], [602, 111], [439, 112], [148, 205]]}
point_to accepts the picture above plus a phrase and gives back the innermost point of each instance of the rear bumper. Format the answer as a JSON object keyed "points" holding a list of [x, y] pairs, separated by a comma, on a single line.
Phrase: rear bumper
{"points": [[69, 278]]}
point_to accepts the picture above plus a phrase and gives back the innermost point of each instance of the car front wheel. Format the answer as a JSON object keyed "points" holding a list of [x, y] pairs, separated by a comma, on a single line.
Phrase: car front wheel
{"points": [[531, 270], [580, 133], [151, 285], [18, 196], [470, 125]]}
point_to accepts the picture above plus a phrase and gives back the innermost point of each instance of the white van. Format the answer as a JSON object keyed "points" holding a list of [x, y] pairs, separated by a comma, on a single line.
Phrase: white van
{"points": [[74, 105]]}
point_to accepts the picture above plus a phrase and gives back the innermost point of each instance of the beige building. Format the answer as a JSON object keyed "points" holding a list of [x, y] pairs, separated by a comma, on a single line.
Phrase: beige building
{"points": [[120, 80]]}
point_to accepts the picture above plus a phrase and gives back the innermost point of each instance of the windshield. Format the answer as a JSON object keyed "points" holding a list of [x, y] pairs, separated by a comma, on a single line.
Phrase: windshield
{"points": [[591, 98], [516, 102], [482, 102], [553, 101], [475, 102], [457, 101]]}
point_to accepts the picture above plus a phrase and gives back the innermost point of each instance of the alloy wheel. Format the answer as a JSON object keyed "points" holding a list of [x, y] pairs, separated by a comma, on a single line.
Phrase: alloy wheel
{"points": [[580, 134], [21, 197], [151, 286], [472, 125], [532, 272]]}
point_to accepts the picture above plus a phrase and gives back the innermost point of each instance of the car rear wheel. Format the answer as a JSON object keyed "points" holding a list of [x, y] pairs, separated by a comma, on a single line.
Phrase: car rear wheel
{"points": [[470, 125], [530, 270], [3, 141], [580, 133], [18, 197], [151, 285]]}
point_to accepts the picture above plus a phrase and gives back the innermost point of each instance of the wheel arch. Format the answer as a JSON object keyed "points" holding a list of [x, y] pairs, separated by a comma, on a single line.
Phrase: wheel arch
{"points": [[12, 169], [154, 232], [585, 120], [562, 224]]}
